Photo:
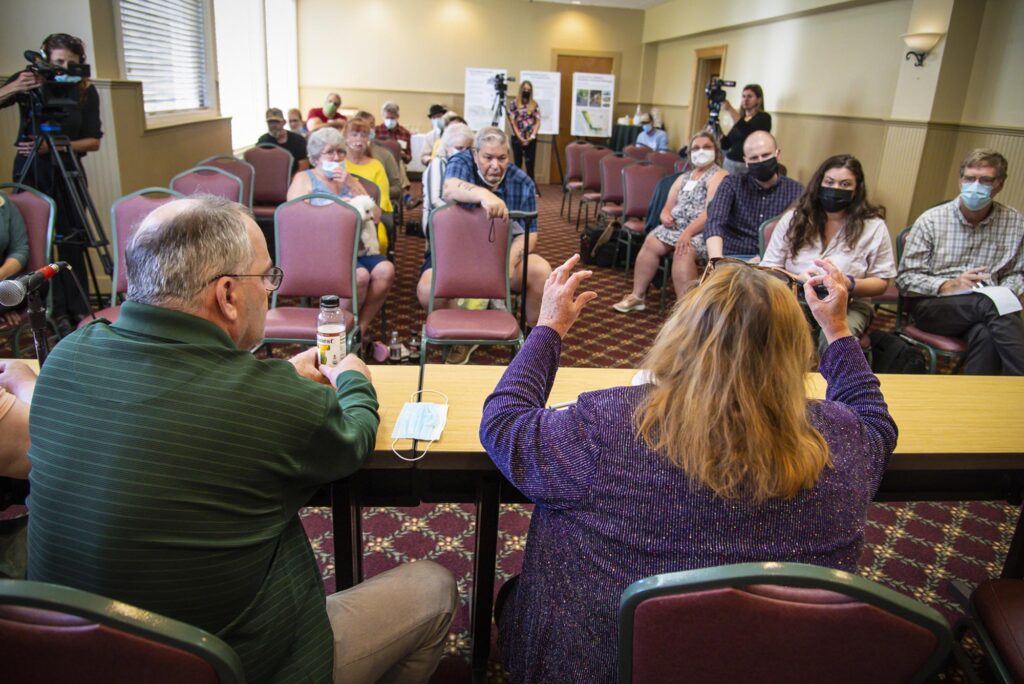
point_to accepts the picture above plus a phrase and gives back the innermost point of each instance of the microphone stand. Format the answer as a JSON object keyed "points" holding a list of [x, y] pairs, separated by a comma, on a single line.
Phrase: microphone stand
{"points": [[37, 321]]}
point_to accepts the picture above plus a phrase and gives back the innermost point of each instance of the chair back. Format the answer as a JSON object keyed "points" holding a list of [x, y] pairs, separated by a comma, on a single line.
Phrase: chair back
{"points": [[273, 167], [765, 232], [315, 246], [639, 181], [666, 161], [393, 147], [592, 168], [638, 152], [805, 623], [372, 189], [126, 213], [51, 633], [612, 167], [682, 165], [37, 211], [209, 180], [245, 171], [574, 160], [470, 254]]}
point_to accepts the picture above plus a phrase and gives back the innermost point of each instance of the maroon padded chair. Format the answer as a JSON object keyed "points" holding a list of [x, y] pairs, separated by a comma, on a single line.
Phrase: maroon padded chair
{"points": [[573, 174], [393, 147], [666, 161], [612, 167], [470, 260], [273, 166], [765, 232], [239, 167], [591, 182], [997, 617], [638, 152], [682, 166], [125, 216], [316, 249], [372, 189], [639, 182], [209, 180]]}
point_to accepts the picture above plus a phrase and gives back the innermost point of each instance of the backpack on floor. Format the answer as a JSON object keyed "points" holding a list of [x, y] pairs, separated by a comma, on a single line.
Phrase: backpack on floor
{"points": [[597, 246], [892, 354]]}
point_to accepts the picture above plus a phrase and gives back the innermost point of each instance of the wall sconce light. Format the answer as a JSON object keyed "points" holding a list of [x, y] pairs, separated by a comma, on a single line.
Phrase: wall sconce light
{"points": [[920, 44]]}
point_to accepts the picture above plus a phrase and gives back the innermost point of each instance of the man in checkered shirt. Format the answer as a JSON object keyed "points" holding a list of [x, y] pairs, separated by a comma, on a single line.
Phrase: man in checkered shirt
{"points": [[968, 242]]}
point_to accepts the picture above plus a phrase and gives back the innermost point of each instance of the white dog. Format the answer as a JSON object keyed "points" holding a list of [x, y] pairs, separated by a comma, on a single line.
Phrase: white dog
{"points": [[368, 233]]}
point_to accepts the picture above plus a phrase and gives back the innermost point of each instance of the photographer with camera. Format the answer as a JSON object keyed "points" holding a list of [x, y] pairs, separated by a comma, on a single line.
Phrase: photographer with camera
{"points": [[79, 122], [752, 117]]}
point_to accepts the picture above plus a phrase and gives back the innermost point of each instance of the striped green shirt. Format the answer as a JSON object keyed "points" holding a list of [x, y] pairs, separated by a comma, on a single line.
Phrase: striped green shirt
{"points": [[168, 468]]}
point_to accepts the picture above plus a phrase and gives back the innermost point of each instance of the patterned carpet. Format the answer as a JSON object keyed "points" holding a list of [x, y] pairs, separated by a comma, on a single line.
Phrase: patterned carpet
{"points": [[913, 548]]}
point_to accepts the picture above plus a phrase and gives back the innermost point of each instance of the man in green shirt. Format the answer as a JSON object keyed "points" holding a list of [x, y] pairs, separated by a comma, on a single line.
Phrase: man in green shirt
{"points": [[169, 466]]}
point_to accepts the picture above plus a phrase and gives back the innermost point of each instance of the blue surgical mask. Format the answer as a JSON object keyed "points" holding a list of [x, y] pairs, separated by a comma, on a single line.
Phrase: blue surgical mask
{"points": [[372, 134], [420, 420], [390, 123], [438, 123], [975, 196], [648, 128]]}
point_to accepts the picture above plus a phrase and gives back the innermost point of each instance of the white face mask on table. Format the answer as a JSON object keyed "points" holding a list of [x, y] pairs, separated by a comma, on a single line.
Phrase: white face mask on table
{"points": [[420, 420]]}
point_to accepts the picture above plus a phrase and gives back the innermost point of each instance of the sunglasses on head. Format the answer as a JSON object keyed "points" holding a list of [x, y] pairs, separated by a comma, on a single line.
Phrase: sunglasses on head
{"points": [[791, 281]]}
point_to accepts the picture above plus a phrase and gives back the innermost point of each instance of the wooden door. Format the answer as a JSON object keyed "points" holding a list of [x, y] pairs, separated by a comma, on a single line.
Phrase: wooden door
{"points": [[710, 64], [567, 66]]}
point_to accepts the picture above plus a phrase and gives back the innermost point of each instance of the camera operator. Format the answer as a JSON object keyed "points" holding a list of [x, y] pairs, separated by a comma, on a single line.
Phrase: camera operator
{"points": [[80, 123], [753, 118]]}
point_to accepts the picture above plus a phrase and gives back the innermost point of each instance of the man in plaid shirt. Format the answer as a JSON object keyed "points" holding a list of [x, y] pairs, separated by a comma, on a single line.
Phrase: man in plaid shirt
{"points": [[962, 244]]}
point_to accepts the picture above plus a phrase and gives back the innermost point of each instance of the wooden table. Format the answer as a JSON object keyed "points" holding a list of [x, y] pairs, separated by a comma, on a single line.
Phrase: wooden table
{"points": [[961, 438]]}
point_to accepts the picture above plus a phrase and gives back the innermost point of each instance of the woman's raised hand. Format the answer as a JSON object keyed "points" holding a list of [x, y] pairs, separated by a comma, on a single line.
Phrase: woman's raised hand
{"points": [[559, 307]]}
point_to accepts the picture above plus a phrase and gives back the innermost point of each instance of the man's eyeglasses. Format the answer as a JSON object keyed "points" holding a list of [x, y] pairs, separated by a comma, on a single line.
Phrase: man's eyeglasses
{"points": [[271, 279], [984, 180], [785, 276]]}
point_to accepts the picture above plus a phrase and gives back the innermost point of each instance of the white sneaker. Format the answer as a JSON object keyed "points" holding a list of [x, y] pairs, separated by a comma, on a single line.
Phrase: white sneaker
{"points": [[629, 303]]}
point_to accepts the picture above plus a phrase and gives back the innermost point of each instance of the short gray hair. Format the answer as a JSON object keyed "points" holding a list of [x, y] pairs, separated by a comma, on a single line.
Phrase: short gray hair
{"points": [[454, 132], [490, 134], [321, 139], [168, 264], [390, 107]]}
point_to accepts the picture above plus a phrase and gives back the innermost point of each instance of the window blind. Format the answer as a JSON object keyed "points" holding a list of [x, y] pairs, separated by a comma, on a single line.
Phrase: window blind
{"points": [[164, 46]]}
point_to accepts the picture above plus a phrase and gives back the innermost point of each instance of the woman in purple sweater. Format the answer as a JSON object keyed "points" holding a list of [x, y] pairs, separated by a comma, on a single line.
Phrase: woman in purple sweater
{"points": [[721, 460]]}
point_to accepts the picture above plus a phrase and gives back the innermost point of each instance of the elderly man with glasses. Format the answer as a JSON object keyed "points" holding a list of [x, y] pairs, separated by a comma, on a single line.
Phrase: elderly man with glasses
{"points": [[958, 247], [169, 465]]}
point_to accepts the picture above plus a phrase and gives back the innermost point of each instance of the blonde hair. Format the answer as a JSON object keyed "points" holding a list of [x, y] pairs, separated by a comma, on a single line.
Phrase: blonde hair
{"points": [[704, 133], [729, 405]]}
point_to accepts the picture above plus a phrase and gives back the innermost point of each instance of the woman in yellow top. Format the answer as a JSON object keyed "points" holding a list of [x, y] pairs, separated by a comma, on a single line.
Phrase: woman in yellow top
{"points": [[360, 163]]}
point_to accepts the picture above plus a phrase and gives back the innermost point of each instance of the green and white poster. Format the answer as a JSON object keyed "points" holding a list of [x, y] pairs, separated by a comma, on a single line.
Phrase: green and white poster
{"points": [[593, 97]]}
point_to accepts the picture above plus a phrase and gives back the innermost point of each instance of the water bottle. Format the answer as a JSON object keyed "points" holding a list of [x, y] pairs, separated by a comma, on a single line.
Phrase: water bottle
{"points": [[414, 347], [394, 349], [330, 331]]}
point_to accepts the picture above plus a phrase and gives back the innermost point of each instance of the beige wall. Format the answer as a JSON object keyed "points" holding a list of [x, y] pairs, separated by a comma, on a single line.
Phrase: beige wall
{"points": [[995, 96]]}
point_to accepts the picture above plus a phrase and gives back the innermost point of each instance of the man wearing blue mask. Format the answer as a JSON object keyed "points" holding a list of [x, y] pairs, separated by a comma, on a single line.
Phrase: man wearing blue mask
{"points": [[652, 137], [958, 246], [390, 129]]}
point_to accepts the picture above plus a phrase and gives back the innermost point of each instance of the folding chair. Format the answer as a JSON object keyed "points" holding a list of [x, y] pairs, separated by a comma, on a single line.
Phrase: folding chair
{"points": [[995, 613], [775, 622], [272, 166], [209, 180], [666, 161], [245, 171], [573, 174], [591, 182], [638, 152], [395, 149], [610, 204], [470, 255], [639, 181], [38, 212], [52, 633], [765, 232], [316, 249]]}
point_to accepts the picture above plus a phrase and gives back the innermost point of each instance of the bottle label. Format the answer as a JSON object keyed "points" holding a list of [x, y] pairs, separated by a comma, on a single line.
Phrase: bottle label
{"points": [[330, 342]]}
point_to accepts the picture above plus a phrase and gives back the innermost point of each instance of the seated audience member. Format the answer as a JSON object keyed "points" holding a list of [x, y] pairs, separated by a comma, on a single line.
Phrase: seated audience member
{"points": [[382, 154], [13, 253], [968, 242], [359, 163], [682, 225], [321, 116], [745, 201], [456, 138], [296, 124], [279, 135], [721, 459], [436, 115], [226, 448], [390, 129], [484, 176], [654, 138], [834, 220], [449, 119], [749, 118], [17, 382], [375, 274]]}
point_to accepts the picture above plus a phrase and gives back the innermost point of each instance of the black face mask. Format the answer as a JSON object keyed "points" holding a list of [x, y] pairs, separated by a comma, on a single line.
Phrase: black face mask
{"points": [[835, 199], [526, 95], [764, 170]]}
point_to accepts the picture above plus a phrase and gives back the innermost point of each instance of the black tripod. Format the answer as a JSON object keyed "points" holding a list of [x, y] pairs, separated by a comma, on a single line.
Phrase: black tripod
{"points": [[71, 179], [499, 108]]}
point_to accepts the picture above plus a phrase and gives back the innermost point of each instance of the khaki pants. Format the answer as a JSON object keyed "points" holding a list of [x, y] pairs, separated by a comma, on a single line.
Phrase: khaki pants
{"points": [[392, 627]]}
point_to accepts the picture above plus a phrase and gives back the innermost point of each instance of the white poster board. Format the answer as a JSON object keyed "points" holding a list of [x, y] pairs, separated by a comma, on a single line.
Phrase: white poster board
{"points": [[547, 91], [480, 97], [593, 96]]}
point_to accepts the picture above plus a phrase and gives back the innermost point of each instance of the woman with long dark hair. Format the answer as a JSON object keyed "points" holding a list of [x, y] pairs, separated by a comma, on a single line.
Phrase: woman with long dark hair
{"points": [[524, 115], [80, 123], [834, 220]]}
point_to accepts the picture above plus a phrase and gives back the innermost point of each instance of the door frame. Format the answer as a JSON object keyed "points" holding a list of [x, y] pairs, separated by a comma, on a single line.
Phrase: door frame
{"points": [[698, 117]]}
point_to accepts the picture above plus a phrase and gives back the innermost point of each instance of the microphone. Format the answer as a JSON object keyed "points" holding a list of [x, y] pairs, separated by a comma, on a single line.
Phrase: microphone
{"points": [[13, 291]]}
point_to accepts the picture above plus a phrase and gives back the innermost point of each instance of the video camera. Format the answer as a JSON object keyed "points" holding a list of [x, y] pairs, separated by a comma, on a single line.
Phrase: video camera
{"points": [[500, 83], [59, 89]]}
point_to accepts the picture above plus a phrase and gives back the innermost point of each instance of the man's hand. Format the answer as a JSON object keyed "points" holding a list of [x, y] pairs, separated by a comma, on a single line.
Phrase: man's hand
{"points": [[493, 205], [558, 309], [966, 280], [18, 379], [830, 312], [306, 364], [350, 362]]}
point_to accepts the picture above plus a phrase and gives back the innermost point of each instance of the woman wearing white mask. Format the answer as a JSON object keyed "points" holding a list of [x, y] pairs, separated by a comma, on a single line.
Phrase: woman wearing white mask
{"points": [[682, 224]]}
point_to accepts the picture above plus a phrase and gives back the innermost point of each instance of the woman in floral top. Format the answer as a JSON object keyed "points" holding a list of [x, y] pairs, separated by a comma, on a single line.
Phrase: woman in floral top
{"points": [[524, 115]]}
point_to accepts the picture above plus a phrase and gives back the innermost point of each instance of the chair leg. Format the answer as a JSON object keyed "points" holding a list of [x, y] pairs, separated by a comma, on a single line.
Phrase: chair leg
{"points": [[629, 253], [423, 359], [579, 213]]}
